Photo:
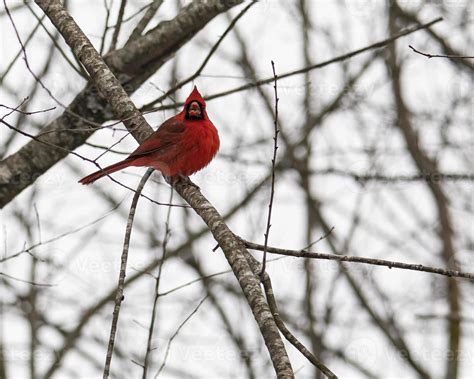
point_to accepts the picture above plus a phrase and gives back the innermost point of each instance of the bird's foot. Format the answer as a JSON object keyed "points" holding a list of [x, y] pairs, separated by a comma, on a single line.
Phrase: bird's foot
{"points": [[173, 179], [188, 181]]}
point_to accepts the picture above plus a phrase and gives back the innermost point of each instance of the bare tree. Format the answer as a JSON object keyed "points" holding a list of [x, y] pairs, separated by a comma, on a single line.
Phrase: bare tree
{"points": [[340, 202]]}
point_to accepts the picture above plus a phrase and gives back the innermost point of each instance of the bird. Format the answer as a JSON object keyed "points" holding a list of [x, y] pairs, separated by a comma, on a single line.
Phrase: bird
{"points": [[181, 146]]}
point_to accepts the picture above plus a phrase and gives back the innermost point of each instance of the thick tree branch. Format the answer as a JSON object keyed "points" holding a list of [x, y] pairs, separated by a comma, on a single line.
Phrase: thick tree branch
{"points": [[106, 82], [247, 275]]}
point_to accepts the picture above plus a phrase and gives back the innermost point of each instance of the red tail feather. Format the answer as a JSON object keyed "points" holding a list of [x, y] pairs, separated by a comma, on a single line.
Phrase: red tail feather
{"points": [[105, 171]]}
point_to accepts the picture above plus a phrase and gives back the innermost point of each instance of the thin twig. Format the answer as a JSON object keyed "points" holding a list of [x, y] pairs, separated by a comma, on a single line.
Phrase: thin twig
{"points": [[106, 27], [27, 250], [30, 70], [353, 259], [424, 176], [38, 222], [73, 335], [288, 335], [26, 281], [88, 160], [176, 333], [13, 8], [27, 41], [118, 25], [123, 267], [428, 55], [272, 191], [12, 110], [79, 69], [145, 20], [37, 139], [103, 147], [27, 113], [324, 236], [198, 72], [157, 288], [343, 57]]}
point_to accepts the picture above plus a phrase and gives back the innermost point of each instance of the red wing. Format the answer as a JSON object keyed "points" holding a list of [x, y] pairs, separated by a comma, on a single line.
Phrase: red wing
{"points": [[167, 135]]}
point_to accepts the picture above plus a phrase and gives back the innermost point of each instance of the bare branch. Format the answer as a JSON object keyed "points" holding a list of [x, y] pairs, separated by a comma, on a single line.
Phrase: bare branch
{"points": [[123, 267], [288, 335], [198, 72], [151, 329], [170, 341], [272, 190], [258, 83], [143, 23], [353, 259], [425, 163], [118, 25], [26, 281], [427, 55]]}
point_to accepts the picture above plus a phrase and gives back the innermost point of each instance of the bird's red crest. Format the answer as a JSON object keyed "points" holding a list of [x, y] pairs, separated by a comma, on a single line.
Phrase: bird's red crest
{"points": [[195, 96]]}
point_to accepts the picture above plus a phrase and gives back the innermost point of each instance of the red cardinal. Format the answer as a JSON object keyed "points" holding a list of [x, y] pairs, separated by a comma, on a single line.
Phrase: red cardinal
{"points": [[182, 145]]}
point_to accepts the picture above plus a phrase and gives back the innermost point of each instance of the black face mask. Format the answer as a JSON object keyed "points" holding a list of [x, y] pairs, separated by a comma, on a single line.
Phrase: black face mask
{"points": [[194, 117]]}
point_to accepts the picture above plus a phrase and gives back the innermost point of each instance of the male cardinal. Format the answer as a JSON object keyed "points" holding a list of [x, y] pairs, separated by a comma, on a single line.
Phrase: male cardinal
{"points": [[182, 145]]}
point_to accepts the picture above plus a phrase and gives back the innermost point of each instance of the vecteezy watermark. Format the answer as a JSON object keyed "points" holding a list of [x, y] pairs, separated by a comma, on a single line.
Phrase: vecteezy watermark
{"points": [[361, 8]]}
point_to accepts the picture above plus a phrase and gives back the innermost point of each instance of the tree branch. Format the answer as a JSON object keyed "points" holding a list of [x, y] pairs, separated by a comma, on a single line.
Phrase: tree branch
{"points": [[272, 186], [123, 268], [363, 260]]}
